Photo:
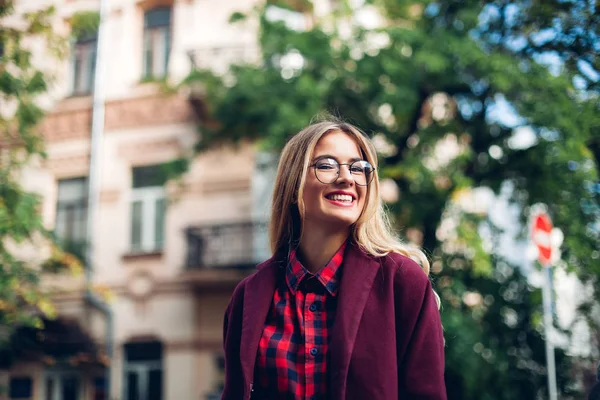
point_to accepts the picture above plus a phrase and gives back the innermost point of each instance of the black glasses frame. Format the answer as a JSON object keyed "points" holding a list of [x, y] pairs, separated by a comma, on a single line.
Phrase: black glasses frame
{"points": [[369, 178]]}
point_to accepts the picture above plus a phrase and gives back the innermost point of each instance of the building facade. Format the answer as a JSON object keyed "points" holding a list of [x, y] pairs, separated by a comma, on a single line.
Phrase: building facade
{"points": [[169, 252]]}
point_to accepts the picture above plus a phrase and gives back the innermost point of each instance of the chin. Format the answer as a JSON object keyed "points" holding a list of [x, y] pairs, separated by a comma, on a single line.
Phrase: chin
{"points": [[341, 221]]}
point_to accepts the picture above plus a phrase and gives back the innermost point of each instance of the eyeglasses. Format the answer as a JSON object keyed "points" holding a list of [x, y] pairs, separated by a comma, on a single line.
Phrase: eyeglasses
{"points": [[327, 170]]}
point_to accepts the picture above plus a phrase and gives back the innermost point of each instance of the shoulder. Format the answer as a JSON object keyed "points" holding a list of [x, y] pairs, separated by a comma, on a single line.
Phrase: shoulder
{"points": [[404, 268], [409, 279], [413, 291]]}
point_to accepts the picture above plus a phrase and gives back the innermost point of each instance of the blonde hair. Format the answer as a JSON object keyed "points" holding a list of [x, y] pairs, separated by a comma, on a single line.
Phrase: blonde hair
{"points": [[372, 231]]}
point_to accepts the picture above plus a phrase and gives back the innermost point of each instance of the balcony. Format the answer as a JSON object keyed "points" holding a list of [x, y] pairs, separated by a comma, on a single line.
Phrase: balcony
{"points": [[238, 245]]}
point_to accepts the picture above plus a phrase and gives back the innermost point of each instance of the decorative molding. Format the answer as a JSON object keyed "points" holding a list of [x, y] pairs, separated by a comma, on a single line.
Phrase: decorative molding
{"points": [[190, 189], [148, 337], [67, 125], [213, 280], [141, 286], [145, 111], [148, 256], [149, 152], [228, 186], [175, 286], [150, 4], [68, 167], [72, 117]]}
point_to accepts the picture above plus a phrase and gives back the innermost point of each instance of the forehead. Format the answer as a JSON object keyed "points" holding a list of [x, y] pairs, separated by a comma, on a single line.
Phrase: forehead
{"points": [[337, 144]]}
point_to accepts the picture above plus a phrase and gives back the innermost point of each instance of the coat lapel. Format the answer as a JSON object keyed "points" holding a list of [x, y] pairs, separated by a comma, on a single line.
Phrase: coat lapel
{"points": [[359, 271], [258, 295]]}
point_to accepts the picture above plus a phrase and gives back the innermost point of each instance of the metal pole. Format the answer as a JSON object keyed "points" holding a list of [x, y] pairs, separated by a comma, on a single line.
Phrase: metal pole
{"points": [[95, 143], [547, 298], [97, 130]]}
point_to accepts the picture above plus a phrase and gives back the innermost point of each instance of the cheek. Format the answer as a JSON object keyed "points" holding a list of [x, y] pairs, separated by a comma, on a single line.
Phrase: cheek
{"points": [[311, 193]]}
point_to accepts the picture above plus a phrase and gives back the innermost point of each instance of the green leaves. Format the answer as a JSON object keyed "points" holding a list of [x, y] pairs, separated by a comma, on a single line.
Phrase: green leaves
{"points": [[22, 302], [447, 84], [85, 24]]}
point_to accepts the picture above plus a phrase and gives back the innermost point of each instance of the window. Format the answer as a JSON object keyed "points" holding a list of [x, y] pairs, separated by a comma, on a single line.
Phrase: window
{"points": [[157, 42], [148, 206], [84, 64], [100, 388], [71, 215], [63, 386], [20, 388], [143, 371], [220, 367]]}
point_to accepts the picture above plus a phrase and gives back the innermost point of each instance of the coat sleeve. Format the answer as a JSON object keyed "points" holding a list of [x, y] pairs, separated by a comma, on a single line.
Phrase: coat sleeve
{"points": [[232, 329], [419, 333]]}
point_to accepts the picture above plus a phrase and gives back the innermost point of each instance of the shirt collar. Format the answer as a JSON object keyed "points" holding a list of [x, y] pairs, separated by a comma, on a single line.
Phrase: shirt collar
{"points": [[329, 276]]}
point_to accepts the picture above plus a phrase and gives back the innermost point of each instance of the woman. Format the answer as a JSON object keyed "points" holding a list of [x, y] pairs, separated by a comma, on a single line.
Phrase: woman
{"points": [[341, 311]]}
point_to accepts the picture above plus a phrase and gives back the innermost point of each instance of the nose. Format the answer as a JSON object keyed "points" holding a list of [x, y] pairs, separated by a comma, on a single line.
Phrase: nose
{"points": [[345, 176]]}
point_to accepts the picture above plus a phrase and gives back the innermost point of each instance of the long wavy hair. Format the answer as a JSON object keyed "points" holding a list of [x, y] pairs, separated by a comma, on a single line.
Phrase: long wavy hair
{"points": [[372, 231]]}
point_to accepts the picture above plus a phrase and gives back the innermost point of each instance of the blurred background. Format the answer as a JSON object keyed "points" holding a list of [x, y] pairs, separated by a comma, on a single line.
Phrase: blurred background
{"points": [[138, 146]]}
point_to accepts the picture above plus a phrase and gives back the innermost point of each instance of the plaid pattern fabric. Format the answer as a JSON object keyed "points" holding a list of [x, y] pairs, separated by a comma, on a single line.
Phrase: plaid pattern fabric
{"points": [[292, 354]]}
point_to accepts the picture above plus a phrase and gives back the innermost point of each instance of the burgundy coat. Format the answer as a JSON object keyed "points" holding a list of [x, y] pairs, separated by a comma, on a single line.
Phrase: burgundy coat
{"points": [[386, 341]]}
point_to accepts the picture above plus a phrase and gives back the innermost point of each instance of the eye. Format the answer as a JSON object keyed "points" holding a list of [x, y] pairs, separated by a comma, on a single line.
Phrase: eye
{"points": [[361, 167], [327, 164]]}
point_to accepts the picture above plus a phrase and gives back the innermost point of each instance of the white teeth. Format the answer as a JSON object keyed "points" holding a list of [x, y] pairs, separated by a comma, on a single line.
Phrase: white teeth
{"points": [[340, 197]]}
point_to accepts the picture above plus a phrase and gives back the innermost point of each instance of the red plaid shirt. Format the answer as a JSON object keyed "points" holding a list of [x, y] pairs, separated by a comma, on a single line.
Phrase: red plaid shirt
{"points": [[292, 354]]}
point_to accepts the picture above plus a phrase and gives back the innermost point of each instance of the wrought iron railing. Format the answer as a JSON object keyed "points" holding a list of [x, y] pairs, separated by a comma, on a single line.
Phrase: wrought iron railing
{"points": [[227, 245]]}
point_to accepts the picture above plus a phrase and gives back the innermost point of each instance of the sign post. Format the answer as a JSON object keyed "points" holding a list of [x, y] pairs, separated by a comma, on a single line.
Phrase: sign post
{"points": [[541, 230]]}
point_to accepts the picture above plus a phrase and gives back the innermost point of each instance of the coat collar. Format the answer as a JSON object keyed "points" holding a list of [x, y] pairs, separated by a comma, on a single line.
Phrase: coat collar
{"points": [[258, 295], [359, 271]]}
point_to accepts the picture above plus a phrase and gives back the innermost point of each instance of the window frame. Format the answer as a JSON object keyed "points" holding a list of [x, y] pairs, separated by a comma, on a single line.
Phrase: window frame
{"points": [[162, 30], [80, 205], [83, 85], [59, 376], [20, 377], [142, 368], [148, 197]]}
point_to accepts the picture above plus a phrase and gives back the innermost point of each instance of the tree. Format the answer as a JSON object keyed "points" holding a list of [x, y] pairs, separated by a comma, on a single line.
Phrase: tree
{"points": [[23, 303], [430, 84]]}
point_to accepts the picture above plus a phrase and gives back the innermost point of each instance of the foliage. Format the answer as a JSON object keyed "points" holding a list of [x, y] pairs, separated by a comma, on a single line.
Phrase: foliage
{"points": [[174, 169], [85, 24], [22, 302], [433, 85], [62, 342]]}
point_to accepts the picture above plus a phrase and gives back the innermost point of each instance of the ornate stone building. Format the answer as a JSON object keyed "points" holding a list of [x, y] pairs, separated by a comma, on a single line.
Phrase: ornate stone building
{"points": [[168, 252]]}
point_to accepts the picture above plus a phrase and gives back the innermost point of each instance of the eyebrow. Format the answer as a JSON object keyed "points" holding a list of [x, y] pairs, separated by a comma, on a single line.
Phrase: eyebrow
{"points": [[322, 156]]}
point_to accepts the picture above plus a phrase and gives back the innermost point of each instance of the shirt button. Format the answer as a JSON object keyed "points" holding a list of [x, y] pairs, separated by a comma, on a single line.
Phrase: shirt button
{"points": [[314, 351], [313, 307]]}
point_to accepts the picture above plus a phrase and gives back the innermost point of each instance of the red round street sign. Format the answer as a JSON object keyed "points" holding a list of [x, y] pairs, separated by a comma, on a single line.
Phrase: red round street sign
{"points": [[541, 235]]}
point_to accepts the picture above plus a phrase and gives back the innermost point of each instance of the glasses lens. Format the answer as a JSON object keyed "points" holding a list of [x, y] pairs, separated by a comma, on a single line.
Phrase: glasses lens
{"points": [[362, 172], [327, 170]]}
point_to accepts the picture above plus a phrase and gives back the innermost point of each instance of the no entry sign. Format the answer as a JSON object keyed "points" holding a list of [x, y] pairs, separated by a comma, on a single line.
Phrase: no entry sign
{"points": [[541, 231], [541, 236]]}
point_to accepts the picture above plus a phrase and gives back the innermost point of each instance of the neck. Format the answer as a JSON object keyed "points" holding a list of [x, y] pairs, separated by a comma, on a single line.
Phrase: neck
{"points": [[318, 246]]}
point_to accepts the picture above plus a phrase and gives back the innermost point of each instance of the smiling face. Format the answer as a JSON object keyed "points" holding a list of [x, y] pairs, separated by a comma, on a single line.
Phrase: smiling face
{"points": [[334, 205]]}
